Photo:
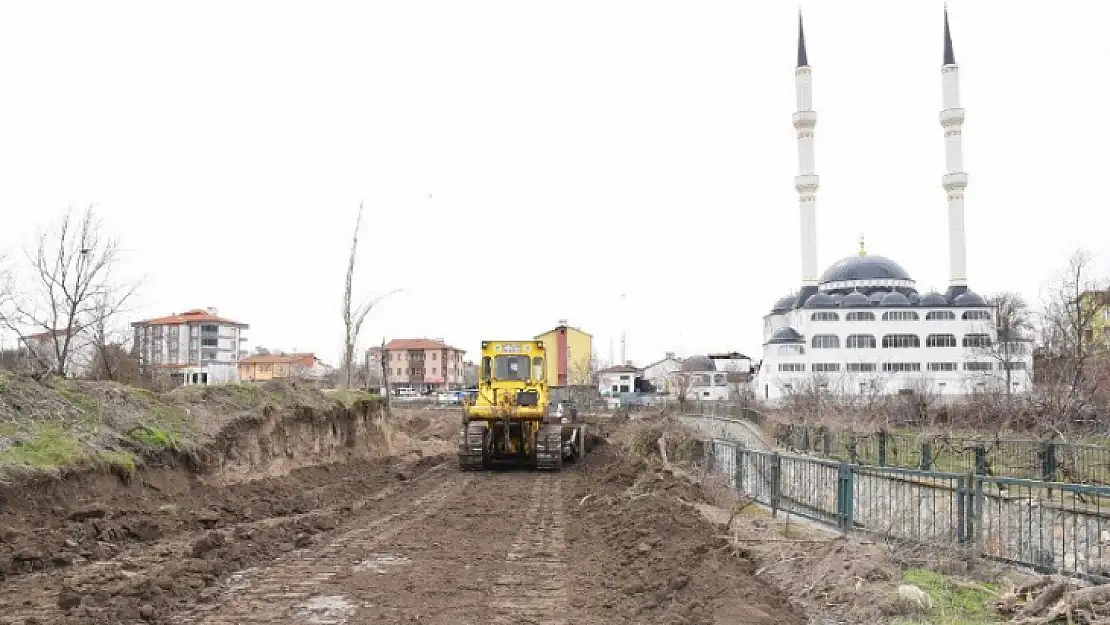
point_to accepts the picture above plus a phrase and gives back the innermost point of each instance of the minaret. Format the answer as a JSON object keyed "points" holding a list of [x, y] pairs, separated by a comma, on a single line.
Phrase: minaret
{"points": [[805, 119], [954, 180]]}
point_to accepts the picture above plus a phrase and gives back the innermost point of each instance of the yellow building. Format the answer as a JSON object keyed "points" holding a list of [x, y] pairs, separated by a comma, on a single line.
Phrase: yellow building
{"points": [[1096, 309], [570, 355], [264, 367]]}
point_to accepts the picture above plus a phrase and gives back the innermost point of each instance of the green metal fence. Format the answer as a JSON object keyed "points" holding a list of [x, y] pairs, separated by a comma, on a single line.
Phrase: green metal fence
{"points": [[1027, 459], [1050, 526]]}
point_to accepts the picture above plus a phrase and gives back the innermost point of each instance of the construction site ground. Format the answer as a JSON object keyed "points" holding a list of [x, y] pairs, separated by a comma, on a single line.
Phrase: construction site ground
{"points": [[403, 537]]}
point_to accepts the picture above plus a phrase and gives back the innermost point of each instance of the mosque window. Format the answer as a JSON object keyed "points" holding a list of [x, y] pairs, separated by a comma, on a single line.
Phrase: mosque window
{"points": [[861, 315], [824, 316], [976, 315], [895, 367], [787, 367], [901, 340], [792, 350], [977, 366], [977, 340], [825, 341], [940, 340], [900, 315], [940, 315], [942, 366], [860, 341], [860, 367], [825, 367]]}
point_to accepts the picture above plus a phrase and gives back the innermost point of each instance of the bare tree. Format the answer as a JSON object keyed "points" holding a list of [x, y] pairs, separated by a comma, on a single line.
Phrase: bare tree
{"points": [[71, 288], [1012, 341], [1066, 394], [354, 317]]}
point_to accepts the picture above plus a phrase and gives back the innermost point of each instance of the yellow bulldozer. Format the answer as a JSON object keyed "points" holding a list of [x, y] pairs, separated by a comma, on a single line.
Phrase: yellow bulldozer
{"points": [[512, 420]]}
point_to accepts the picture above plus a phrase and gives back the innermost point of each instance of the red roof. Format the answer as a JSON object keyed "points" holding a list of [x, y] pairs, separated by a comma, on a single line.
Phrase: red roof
{"points": [[198, 315], [45, 335], [418, 344], [620, 369]]}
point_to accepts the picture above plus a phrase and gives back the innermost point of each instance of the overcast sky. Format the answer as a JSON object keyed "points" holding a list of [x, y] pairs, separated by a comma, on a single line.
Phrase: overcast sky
{"points": [[524, 162]]}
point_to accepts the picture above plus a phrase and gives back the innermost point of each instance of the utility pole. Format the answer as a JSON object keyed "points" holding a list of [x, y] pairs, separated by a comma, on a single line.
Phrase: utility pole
{"points": [[623, 315]]}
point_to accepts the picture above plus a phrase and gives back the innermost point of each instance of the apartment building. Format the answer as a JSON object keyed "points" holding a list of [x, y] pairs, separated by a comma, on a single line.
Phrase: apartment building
{"points": [[40, 350], [197, 346], [421, 364]]}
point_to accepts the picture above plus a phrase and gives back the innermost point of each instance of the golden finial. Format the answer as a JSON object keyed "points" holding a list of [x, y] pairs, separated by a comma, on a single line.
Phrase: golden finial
{"points": [[862, 251]]}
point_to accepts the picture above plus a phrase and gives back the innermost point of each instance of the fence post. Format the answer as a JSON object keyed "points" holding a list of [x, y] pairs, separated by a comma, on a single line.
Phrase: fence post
{"points": [[980, 459], [963, 519], [926, 456], [776, 483], [827, 443], [975, 518], [1048, 462], [844, 493], [853, 455], [882, 448], [805, 438], [738, 467]]}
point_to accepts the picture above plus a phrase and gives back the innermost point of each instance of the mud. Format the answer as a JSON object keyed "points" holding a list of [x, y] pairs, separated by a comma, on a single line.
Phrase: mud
{"points": [[406, 538]]}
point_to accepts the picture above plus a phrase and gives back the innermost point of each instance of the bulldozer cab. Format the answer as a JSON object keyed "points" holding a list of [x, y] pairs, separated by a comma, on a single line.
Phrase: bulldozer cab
{"points": [[512, 374]]}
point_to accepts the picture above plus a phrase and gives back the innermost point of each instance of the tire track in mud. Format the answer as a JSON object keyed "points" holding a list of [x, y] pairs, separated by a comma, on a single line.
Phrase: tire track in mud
{"points": [[533, 588], [23, 600], [286, 589]]}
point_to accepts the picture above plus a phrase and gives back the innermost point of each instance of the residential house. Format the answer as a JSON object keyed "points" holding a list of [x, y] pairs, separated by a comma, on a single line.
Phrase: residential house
{"points": [[618, 380], [698, 378], [423, 364], [265, 367], [570, 355], [194, 347], [658, 373]]}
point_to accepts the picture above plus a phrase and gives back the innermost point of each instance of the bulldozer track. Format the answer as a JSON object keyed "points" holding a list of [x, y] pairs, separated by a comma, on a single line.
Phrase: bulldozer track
{"points": [[290, 587], [471, 445], [533, 588], [549, 448]]}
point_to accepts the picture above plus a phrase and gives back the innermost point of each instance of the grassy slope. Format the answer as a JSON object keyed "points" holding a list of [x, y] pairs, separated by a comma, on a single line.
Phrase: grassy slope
{"points": [[953, 604], [57, 424]]}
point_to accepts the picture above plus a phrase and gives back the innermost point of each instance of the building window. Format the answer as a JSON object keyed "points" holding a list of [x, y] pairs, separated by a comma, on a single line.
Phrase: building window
{"points": [[900, 315], [942, 366], [860, 341], [792, 350], [624, 388], [209, 342], [860, 367], [940, 340], [977, 366], [788, 367], [977, 340], [976, 315], [940, 315], [209, 328], [1014, 366], [825, 367], [896, 367], [433, 355], [901, 340], [826, 341], [433, 370], [861, 315], [624, 378], [824, 316]]}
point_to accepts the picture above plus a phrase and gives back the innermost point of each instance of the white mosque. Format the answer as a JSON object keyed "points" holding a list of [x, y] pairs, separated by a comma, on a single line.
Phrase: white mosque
{"points": [[862, 327]]}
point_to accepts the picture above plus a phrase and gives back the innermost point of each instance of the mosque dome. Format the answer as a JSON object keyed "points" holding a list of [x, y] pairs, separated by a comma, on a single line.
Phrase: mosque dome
{"points": [[784, 304], [933, 299], [895, 299], [820, 300], [786, 335], [855, 300], [969, 298], [867, 267]]}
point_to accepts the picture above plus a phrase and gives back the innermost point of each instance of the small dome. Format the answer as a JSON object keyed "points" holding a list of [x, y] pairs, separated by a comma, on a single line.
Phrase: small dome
{"points": [[784, 304], [786, 335], [877, 297], [865, 268], [933, 299], [968, 298], [837, 298], [855, 300], [895, 299], [820, 300], [699, 363], [914, 298]]}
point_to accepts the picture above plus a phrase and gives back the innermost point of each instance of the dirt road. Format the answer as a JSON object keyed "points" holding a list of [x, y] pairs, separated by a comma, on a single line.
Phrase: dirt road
{"points": [[604, 542]]}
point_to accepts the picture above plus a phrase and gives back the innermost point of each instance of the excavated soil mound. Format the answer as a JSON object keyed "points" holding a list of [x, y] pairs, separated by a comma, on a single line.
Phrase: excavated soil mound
{"points": [[653, 558]]}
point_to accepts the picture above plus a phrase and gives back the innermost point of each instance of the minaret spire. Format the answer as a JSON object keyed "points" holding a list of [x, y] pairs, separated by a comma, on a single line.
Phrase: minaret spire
{"points": [[805, 119], [954, 180]]}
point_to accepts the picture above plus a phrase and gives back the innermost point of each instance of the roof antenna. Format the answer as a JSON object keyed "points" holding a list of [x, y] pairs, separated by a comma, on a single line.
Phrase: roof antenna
{"points": [[862, 250]]}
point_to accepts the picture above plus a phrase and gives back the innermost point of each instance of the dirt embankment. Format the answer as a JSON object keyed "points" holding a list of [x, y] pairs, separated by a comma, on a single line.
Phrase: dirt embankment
{"points": [[108, 494]]}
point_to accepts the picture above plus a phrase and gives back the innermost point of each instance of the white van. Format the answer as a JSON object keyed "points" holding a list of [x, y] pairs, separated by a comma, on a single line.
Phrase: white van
{"points": [[406, 392]]}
